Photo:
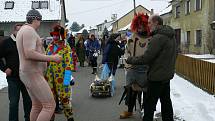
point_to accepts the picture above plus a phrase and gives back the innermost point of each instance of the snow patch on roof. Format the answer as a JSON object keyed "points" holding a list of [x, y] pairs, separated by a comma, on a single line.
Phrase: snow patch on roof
{"points": [[80, 31], [21, 7], [127, 27], [92, 27]]}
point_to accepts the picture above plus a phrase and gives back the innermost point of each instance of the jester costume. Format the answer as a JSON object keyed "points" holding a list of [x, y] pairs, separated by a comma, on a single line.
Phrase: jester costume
{"points": [[74, 58], [59, 75]]}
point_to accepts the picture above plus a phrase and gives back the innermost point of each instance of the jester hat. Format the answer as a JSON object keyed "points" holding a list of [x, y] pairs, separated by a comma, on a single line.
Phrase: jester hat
{"points": [[58, 31]]}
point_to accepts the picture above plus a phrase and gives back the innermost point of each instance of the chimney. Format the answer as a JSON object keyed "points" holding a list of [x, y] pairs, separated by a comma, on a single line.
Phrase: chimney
{"points": [[152, 11], [114, 17], [105, 21]]}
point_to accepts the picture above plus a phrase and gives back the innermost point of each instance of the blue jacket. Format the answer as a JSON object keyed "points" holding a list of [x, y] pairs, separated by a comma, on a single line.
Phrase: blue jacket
{"points": [[93, 46]]}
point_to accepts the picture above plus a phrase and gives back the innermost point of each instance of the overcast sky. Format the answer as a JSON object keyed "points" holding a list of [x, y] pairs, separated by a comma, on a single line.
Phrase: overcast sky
{"points": [[93, 12]]}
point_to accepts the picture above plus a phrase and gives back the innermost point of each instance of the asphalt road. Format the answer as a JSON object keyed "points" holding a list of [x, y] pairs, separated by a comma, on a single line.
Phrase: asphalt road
{"points": [[86, 108]]}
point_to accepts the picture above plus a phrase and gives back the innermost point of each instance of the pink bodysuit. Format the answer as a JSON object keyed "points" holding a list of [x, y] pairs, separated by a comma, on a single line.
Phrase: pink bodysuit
{"points": [[32, 66]]}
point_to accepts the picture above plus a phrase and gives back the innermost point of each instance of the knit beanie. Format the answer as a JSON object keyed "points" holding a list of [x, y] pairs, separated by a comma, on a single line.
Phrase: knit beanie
{"points": [[113, 36], [33, 15]]}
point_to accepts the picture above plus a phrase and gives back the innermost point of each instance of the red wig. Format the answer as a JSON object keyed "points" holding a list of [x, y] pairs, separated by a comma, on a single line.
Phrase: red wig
{"points": [[140, 20]]}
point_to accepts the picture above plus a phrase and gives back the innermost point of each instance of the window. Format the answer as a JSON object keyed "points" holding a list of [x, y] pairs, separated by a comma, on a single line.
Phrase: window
{"points": [[39, 4], [100, 28], [117, 25], [188, 38], [1, 32], [198, 38], [177, 12], [35, 4], [198, 5], [9, 5], [187, 7], [44, 4], [178, 36]]}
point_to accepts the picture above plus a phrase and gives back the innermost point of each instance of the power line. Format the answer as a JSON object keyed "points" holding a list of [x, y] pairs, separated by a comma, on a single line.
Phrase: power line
{"points": [[166, 8], [90, 10]]}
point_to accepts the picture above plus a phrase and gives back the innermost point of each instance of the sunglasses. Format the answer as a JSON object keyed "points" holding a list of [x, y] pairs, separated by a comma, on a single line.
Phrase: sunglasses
{"points": [[38, 18], [18, 25]]}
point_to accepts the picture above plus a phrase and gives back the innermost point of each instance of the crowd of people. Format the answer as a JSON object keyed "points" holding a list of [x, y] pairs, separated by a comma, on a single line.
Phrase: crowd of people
{"points": [[43, 70]]}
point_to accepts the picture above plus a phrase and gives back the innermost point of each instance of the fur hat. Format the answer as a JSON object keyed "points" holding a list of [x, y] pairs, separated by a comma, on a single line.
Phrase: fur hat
{"points": [[33, 15], [140, 20]]}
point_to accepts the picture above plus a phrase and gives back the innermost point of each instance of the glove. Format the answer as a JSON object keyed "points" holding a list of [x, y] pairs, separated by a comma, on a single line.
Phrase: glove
{"points": [[67, 77]]}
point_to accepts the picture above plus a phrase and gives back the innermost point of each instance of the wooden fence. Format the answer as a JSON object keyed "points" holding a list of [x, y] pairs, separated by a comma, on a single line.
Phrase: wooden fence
{"points": [[199, 72]]}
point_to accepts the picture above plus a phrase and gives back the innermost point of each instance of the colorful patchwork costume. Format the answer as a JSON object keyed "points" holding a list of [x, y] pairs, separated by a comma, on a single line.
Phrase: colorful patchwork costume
{"points": [[59, 75], [74, 58]]}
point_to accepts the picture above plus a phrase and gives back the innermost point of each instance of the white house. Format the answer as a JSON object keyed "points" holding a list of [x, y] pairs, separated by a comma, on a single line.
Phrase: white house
{"points": [[102, 26], [94, 30], [14, 11]]}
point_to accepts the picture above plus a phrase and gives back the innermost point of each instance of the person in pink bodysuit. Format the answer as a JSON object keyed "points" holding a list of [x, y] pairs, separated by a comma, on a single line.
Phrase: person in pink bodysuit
{"points": [[32, 66]]}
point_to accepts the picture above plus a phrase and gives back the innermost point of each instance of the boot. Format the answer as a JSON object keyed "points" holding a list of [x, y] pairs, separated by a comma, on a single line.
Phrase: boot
{"points": [[94, 71], [125, 115], [58, 110], [70, 119], [81, 64]]}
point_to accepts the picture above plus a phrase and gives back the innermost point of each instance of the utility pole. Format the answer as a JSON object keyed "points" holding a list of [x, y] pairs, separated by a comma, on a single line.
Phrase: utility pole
{"points": [[135, 7]]}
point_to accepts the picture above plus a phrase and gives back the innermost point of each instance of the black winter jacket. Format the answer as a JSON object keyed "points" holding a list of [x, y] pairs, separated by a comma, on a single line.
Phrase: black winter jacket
{"points": [[160, 55], [8, 51]]}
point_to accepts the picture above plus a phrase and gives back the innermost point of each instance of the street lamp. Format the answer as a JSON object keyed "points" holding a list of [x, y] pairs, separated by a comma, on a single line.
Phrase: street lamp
{"points": [[213, 25]]}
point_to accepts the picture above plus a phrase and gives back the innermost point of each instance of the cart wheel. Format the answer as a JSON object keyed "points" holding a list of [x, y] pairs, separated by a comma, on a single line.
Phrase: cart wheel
{"points": [[108, 94], [93, 95]]}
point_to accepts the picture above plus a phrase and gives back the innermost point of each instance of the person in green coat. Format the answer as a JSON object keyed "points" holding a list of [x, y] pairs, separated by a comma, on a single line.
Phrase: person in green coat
{"points": [[80, 49]]}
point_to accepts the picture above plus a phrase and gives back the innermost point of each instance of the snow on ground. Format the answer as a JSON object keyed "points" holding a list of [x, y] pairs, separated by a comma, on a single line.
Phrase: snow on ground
{"points": [[210, 60], [189, 102], [3, 81], [205, 56]]}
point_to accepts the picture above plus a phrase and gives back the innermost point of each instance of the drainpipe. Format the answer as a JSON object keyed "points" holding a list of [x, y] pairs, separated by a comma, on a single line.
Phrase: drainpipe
{"points": [[135, 7], [152, 11], [213, 31]]}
